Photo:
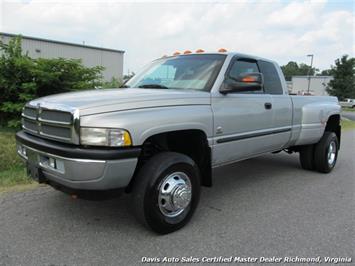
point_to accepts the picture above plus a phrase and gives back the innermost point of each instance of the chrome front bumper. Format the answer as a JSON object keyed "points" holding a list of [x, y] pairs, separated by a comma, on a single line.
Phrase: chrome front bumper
{"points": [[76, 173]]}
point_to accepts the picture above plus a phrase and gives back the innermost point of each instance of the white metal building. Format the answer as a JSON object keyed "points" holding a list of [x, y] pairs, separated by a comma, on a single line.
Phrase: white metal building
{"points": [[110, 59], [317, 86]]}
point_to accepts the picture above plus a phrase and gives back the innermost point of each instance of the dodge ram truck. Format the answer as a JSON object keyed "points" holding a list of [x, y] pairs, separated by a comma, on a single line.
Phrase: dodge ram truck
{"points": [[160, 136]]}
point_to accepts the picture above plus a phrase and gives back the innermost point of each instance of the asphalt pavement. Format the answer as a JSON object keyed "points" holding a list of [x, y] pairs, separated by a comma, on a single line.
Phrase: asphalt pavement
{"points": [[348, 115], [266, 206]]}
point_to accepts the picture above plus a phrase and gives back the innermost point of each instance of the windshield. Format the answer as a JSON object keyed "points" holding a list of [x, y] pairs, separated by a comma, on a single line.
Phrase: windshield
{"points": [[195, 72]]}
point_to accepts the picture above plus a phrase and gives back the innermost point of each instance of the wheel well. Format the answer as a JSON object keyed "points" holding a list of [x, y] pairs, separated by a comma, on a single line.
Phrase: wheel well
{"points": [[192, 143], [333, 125]]}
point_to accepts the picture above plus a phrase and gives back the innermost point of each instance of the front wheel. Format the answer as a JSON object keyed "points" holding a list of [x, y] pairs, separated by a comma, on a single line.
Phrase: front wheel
{"points": [[166, 192], [326, 152]]}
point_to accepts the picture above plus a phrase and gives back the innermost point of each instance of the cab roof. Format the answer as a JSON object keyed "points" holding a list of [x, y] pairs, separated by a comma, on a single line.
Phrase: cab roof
{"points": [[229, 54]]}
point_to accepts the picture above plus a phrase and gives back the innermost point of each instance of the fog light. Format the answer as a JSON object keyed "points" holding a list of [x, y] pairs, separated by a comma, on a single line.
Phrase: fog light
{"points": [[52, 163]]}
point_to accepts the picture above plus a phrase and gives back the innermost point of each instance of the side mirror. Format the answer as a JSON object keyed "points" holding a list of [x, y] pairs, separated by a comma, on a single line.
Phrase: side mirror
{"points": [[243, 83]]}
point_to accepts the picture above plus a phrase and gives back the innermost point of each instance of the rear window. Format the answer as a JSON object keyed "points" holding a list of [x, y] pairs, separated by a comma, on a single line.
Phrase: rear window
{"points": [[272, 82]]}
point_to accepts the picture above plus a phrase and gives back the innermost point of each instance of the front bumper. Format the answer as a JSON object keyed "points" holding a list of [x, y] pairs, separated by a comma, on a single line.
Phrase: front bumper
{"points": [[77, 167]]}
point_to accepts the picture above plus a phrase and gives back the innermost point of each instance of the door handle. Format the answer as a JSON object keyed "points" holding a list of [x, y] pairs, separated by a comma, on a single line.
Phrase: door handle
{"points": [[268, 106]]}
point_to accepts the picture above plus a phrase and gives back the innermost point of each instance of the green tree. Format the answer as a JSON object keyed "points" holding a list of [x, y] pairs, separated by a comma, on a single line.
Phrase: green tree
{"points": [[113, 83], [326, 72], [294, 69], [23, 78], [343, 84], [64, 75], [17, 83]]}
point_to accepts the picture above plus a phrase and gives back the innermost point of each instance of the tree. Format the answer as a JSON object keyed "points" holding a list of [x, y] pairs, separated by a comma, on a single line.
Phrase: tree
{"points": [[325, 72], [23, 79], [113, 83], [343, 84], [293, 69], [17, 83], [64, 75]]}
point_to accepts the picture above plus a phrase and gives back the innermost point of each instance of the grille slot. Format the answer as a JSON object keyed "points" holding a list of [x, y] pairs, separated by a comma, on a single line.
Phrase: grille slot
{"points": [[51, 123], [30, 112], [30, 125], [59, 132], [55, 116]]}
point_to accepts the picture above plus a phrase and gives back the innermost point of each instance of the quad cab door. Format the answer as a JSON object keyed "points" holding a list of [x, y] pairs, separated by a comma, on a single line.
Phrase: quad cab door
{"points": [[244, 120]]}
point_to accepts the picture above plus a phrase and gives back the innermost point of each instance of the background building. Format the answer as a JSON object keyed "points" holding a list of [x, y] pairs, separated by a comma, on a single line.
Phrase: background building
{"points": [[289, 86], [110, 59], [318, 85]]}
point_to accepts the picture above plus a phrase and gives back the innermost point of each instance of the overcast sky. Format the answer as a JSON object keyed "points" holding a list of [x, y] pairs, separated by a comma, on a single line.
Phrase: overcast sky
{"points": [[279, 30]]}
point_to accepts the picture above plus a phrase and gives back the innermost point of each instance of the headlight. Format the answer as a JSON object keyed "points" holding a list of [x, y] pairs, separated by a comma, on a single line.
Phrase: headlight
{"points": [[105, 137]]}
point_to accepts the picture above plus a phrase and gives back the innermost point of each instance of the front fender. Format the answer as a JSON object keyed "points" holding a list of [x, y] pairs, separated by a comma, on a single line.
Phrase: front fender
{"points": [[144, 123]]}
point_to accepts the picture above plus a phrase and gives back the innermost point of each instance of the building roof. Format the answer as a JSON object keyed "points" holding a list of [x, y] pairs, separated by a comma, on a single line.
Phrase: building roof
{"points": [[61, 42]]}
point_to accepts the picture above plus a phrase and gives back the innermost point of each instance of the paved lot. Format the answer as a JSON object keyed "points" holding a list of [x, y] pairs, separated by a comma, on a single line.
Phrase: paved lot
{"points": [[349, 115], [266, 206]]}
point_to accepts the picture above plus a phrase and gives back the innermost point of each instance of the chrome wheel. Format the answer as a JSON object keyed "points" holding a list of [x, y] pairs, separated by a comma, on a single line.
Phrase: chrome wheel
{"points": [[332, 149], [174, 194]]}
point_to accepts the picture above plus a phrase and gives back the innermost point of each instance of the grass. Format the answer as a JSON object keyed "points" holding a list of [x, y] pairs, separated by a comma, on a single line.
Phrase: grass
{"points": [[347, 124], [12, 170], [348, 109], [15, 179], [14, 176], [8, 155]]}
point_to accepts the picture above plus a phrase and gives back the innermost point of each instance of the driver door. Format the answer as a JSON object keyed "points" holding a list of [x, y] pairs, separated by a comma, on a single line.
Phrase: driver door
{"points": [[242, 120]]}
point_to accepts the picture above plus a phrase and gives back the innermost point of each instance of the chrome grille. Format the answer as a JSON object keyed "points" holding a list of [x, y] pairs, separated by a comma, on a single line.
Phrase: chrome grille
{"points": [[52, 122], [30, 125], [31, 112], [61, 117]]}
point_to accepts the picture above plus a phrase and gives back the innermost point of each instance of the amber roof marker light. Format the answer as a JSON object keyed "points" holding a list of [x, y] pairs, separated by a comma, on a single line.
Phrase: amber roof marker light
{"points": [[187, 52], [222, 50], [200, 51], [176, 53]]}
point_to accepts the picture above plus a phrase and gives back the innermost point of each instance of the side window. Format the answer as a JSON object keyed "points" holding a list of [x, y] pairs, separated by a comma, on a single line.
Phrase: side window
{"points": [[241, 66], [272, 82]]}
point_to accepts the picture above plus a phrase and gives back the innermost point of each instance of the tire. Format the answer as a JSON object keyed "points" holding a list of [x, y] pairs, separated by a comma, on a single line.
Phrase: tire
{"points": [[326, 152], [307, 157], [161, 195]]}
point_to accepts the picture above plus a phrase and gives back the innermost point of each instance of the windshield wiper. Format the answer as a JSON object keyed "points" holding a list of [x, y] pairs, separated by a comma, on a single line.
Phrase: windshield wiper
{"points": [[153, 86], [124, 86]]}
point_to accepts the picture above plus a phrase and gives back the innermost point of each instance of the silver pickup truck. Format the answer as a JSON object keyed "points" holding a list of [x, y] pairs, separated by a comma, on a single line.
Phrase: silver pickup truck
{"points": [[160, 136]]}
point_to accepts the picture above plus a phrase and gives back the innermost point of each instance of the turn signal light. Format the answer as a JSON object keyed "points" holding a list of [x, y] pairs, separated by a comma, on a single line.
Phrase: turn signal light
{"points": [[200, 51], [176, 53], [187, 52], [248, 79], [222, 50]]}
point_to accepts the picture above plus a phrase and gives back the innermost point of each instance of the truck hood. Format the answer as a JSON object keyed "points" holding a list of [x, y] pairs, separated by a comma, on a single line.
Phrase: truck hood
{"points": [[109, 100]]}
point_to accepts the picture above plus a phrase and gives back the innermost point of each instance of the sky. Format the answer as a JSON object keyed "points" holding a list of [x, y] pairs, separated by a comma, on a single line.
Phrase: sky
{"points": [[280, 30]]}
